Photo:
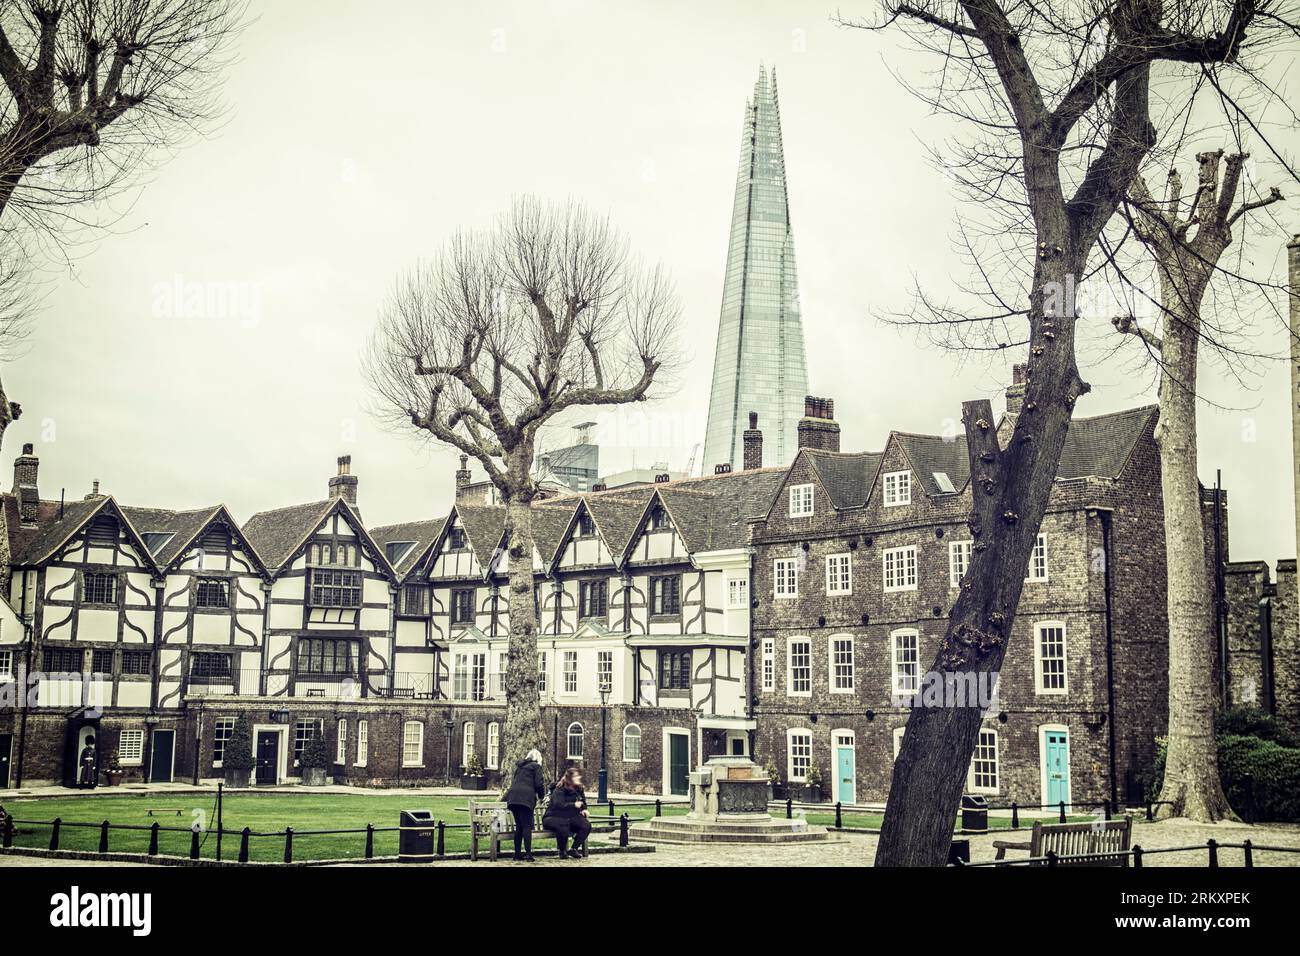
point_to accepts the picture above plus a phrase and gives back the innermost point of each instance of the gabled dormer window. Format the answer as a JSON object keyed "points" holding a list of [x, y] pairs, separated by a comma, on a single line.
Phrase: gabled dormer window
{"points": [[330, 553], [659, 518], [586, 526], [801, 501], [456, 539], [898, 488]]}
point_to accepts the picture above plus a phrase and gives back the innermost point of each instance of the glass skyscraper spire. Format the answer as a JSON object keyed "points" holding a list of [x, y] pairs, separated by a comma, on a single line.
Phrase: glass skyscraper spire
{"points": [[759, 365]]}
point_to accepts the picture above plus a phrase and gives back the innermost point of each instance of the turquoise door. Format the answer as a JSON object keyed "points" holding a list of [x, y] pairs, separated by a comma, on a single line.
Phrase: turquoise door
{"points": [[1057, 756], [845, 773]]}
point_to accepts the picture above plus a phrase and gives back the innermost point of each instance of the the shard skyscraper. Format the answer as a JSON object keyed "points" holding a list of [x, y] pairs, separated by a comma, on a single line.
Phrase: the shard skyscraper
{"points": [[759, 365]]}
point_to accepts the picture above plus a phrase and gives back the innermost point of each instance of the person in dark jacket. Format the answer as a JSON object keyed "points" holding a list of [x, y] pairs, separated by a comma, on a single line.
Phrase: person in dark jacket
{"points": [[526, 788], [566, 814]]}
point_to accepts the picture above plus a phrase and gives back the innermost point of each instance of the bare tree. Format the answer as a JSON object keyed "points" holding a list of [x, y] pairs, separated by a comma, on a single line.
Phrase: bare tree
{"points": [[480, 348], [1062, 97], [1186, 240]]}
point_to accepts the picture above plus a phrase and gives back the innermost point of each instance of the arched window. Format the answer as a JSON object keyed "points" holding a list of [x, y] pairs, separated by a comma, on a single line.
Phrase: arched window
{"points": [[575, 741], [632, 743], [493, 745]]}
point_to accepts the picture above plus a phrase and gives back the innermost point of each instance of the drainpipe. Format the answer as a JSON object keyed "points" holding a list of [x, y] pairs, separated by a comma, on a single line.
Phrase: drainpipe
{"points": [[1266, 653], [1108, 586], [22, 689]]}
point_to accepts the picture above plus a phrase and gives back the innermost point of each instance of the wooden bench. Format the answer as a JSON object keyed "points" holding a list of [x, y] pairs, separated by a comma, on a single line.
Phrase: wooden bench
{"points": [[1100, 844], [481, 816]]}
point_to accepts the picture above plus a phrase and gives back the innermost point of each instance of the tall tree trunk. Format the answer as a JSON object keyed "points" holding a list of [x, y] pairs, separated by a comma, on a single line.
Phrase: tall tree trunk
{"points": [[523, 729]]}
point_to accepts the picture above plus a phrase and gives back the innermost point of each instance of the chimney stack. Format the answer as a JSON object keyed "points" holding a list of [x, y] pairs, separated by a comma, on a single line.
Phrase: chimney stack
{"points": [[818, 428], [1016, 390], [1293, 280], [344, 484], [94, 491], [753, 444], [463, 477], [26, 466]]}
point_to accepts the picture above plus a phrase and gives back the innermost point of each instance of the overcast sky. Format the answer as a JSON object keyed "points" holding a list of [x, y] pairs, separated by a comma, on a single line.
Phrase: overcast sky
{"points": [[358, 140]]}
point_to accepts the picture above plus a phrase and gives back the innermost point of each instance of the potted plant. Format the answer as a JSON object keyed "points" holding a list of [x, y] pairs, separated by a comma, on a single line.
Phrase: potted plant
{"points": [[473, 777], [812, 785], [237, 759], [777, 790], [114, 773], [315, 761]]}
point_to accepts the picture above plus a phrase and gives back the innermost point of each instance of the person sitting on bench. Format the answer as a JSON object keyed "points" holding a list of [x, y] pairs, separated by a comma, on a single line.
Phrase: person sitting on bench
{"points": [[566, 814], [527, 787]]}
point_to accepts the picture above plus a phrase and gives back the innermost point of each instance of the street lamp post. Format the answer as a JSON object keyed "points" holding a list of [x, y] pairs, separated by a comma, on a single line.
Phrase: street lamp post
{"points": [[602, 776]]}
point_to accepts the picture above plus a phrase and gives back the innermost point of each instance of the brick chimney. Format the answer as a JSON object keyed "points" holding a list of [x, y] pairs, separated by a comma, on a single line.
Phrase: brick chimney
{"points": [[1016, 390], [344, 484], [94, 491], [818, 428], [462, 475], [753, 441], [26, 466]]}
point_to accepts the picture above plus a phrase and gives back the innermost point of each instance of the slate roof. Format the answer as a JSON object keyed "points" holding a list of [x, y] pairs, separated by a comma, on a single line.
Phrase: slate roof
{"points": [[1101, 446], [931, 454], [484, 525], [278, 533], [550, 522], [847, 478], [184, 526], [33, 545], [423, 533], [617, 515]]}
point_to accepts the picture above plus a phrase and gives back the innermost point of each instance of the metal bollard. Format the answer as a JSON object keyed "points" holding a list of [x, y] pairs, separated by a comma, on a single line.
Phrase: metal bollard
{"points": [[441, 848], [1106, 807], [622, 830], [1015, 815], [611, 808], [243, 845], [1214, 852], [194, 844], [288, 844], [1137, 857], [153, 839], [1249, 852], [103, 837], [1062, 811], [789, 808], [839, 815], [659, 807], [54, 833], [370, 841]]}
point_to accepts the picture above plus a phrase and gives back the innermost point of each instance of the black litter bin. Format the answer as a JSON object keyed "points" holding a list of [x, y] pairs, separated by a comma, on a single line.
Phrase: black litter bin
{"points": [[974, 813], [959, 852], [415, 841]]}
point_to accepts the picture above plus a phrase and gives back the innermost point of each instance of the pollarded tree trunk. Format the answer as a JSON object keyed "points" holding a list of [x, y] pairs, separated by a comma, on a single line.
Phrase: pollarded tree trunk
{"points": [[523, 727]]}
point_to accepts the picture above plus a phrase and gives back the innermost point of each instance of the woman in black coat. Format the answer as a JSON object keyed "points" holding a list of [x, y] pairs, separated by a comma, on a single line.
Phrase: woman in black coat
{"points": [[526, 788], [566, 814]]}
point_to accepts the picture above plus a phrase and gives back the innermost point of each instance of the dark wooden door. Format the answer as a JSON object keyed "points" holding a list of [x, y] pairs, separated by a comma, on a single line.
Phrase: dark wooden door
{"points": [[160, 758], [6, 752], [679, 764], [268, 754]]}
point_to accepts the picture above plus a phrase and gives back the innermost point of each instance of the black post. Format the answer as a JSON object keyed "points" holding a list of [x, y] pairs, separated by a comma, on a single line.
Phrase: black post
{"points": [[1137, 857], [839, 818], [194, 844], [9, 832], [1106, 807], [370, 841], [789, 808], [1062, 811], [219, 785], [441, 839], [153, 839], [602, 776], [659, 807], [1214, 852], [54, 833], [1249, 852], [243, 845], [1015, 815], [1150, 815], [611, 808], [103, 837], [622, 830], [288, 844]]}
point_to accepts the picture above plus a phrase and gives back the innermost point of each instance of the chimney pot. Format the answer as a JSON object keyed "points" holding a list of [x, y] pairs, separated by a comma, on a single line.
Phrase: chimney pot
{"points": [[752, 444], [818, 428], [344, 484], [25, 489], [1016, 390], [27, 448]]}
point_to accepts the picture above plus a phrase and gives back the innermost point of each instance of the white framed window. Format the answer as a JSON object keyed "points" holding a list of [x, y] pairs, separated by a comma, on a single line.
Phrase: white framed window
{"points": [[575, 739], [841, 661], [570, 672], [801, 501], [898, 488], [898, 739], [468, 743], [769, 663], [413, 744], [900, 568], [798, 754], [303, 732], [493, 745], [341, 743], [542, 672], [798, 675], [1038, 560], [785, 575], [130, 748], [958, 561], [222, 731], [632, 743], [983, 777], [604, 670], [6, 665], [363, 743], [839, 574], [906, 654], [737, 592], [1049, 657]]}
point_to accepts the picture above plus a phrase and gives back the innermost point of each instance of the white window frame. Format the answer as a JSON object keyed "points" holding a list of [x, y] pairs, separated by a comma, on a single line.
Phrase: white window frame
{"points": [[801, 500], [493, 751], [569, 687], [637, 735], [363, 743], [895, 672], [897, 488], [737, 592], [790, 735], [839, 581], [604, 658], [543, 677], [1040, 659], [569, 736], [997, 766], [833, 677], [341, 742], [768, 663], [221, 734], [468, 742], [6, 664], [959, 555], [901, 557], [789, 666], [130, 755], [418, 743], [1038, 557], [785, 571]]}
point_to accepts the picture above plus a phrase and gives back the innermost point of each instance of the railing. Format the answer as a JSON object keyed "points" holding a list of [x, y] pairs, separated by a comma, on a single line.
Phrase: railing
{"points": [[1137, 854]]}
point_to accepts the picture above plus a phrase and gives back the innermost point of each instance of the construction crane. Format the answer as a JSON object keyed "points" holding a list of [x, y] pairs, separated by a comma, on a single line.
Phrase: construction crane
{"points": [[690, 466]]}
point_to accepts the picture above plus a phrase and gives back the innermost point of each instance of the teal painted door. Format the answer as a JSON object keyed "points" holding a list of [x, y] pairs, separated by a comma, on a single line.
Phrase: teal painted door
{"points": [[845, 775], [1057, 755], [679, 764]]}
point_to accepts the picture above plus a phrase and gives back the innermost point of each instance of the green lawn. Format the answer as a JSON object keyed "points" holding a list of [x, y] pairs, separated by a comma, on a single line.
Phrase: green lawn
{"points": [[269, 813]]}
